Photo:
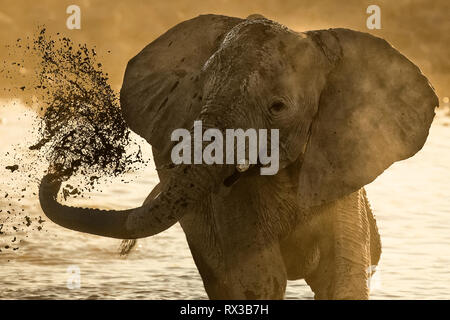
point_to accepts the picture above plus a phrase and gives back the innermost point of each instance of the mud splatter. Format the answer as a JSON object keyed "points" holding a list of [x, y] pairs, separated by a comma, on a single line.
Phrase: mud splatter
{"points": [[82, 127], [81, 131], [12, 168]]}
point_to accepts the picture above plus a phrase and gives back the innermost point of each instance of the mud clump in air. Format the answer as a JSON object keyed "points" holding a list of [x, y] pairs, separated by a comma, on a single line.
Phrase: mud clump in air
{"points": [[81, 130]]}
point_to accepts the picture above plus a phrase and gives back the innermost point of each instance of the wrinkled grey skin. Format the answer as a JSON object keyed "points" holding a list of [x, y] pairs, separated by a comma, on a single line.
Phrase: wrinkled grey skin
{"points": [[347, 105]]}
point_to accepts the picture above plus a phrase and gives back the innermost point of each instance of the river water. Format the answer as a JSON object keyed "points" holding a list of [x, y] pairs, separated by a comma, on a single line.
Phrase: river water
{"points": [[411, 201]]}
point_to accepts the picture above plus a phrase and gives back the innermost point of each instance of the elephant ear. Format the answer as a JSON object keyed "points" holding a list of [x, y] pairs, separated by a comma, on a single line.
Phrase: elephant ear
{"points": [[161, 89], [376, 108]]}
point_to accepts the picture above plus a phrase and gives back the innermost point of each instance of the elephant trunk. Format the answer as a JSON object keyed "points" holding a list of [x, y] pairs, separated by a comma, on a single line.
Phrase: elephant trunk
{"points": [[186, 185]]}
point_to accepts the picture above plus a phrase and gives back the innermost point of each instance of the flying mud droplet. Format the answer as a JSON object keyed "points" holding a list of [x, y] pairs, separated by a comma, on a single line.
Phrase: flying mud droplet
{"points": [[12, 168]]}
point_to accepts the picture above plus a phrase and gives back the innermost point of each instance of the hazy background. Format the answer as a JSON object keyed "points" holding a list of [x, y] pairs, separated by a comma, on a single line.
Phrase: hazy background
{"points": [[410, 199], [420, 29]]}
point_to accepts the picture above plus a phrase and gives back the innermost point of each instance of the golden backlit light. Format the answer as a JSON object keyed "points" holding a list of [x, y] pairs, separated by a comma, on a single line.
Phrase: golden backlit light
{"points": [[41, 260]]}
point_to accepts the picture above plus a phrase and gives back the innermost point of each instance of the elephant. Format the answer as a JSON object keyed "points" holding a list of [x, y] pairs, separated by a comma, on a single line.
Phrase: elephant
{"points": [[347, 105]]}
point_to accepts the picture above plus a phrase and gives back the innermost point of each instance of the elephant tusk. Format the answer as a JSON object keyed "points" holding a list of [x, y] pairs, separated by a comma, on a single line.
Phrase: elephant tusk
{"points": [[243, 165]]}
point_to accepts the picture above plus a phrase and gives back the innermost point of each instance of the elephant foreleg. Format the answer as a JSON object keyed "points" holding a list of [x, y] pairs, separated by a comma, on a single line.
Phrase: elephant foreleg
{"points": [[245, 273], [252, 275], [352, 248], [237, 263], [345, 259]]}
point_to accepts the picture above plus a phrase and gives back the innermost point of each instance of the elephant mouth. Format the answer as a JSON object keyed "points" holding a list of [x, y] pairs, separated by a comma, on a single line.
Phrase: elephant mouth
{"points": [[231, 179]]}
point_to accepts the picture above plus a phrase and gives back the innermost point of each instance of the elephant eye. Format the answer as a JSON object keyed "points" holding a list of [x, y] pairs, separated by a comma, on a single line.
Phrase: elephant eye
{"points": [[277, 107]]}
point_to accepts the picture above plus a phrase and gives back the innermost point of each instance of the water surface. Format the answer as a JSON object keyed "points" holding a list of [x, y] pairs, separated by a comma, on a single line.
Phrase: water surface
{"points": [[411, 201]]}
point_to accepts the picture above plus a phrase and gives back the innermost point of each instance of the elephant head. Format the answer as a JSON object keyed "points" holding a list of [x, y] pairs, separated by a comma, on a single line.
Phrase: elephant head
{"points": [[346, 103]]}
